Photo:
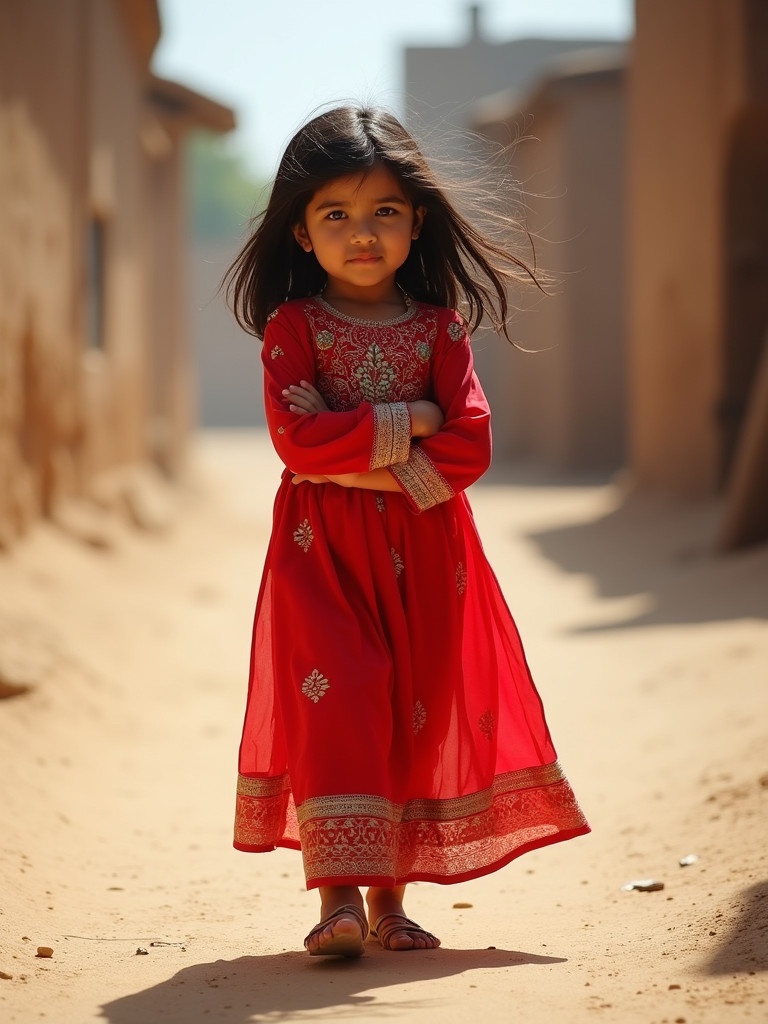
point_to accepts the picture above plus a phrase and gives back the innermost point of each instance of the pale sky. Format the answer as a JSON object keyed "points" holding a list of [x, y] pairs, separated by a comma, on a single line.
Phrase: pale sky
{"points": [[275, 61]]}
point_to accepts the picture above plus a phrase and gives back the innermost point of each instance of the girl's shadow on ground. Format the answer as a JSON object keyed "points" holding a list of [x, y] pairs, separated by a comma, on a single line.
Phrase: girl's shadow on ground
{"points": [[286, 984], [745, 949]]}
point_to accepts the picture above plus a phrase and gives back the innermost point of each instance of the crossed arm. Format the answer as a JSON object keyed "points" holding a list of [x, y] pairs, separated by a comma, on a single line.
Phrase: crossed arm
{"points": [[304, 398]]}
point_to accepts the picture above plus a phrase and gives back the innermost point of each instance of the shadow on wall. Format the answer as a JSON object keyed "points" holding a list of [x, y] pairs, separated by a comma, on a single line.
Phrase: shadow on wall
{"points": [[661, 548], [745, 948], [286, 984]]}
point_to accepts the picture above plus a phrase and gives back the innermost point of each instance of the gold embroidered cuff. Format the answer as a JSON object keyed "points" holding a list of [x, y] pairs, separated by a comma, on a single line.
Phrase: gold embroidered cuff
{"points": [[391, 434], [422, 481]]}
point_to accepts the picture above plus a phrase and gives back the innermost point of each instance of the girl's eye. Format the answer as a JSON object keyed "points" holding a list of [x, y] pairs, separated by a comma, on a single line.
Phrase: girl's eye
{"points": [[336, 215], [385, 211]]}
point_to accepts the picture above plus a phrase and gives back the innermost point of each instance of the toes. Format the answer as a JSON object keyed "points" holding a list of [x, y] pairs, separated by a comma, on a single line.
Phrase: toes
{"points": [[340, 928], [409, 940], [397, 932], [319, 938]]}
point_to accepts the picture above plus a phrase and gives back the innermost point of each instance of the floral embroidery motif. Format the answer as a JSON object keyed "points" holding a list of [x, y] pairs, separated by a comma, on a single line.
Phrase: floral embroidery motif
{"points": [[423, 351], [376, 375], [455, 331], [379, 503], [272, 315], [281, 430], [419, 717], [487, 723], [337, 377], [314, 686], [397, 561], [461, 578], [324, 340], [276, 351], [304, 536]]}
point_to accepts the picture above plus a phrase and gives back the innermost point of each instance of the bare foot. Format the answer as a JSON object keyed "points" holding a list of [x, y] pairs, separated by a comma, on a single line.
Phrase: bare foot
{"points": [[390, 925]]}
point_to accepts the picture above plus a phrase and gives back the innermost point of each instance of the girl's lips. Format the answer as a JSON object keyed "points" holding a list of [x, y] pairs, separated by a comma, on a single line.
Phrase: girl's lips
{"points": [[364, 257]]}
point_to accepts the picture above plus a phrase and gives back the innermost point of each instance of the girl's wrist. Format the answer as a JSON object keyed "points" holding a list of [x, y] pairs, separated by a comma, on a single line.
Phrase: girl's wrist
{"points": [[426, 418], [417, 423]]}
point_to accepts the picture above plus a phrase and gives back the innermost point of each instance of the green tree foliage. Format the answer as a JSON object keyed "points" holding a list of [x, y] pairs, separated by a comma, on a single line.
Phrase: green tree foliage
{"points": [[223, 194]]}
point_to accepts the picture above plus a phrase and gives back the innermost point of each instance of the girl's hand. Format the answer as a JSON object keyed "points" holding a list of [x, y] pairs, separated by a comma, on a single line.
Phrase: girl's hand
{"points": [[342, 479], [426, 418], [303, 398], [374, 480], [310, 478]]}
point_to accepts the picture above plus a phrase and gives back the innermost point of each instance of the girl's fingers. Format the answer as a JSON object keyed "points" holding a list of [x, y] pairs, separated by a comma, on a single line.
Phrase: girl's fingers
{"points": [[305, 397], [309, 478], [297, 400]]}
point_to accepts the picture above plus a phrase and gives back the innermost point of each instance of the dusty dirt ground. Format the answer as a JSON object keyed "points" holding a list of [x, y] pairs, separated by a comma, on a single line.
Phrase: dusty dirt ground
{"points": [[118, 771]]}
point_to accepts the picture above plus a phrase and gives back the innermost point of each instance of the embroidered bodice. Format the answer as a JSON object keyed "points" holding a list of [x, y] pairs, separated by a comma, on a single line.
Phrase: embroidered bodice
{"points": [[371, 360]]}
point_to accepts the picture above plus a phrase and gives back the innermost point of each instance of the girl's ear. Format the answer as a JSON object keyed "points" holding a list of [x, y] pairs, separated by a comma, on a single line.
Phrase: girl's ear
{"points": [[301, 236], [419, 214]]}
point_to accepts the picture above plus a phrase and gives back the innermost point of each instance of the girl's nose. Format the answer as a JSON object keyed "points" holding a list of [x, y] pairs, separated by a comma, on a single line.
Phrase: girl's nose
{"points": [[363, 232]]}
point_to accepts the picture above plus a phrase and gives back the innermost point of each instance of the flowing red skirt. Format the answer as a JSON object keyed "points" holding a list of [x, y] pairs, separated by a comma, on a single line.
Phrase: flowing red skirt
{"points": [[393, 731]]}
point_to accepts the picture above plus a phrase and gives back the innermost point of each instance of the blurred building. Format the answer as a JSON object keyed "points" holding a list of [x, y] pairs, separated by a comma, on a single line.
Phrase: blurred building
{"points": [[698, 254], [563, 402], [647, 191], [443, 83], [230, 389], [94, 368], [558, 106]]}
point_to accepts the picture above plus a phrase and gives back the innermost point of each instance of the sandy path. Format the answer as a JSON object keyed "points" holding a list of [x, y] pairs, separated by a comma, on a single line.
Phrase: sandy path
{"points": [[118, 773]]}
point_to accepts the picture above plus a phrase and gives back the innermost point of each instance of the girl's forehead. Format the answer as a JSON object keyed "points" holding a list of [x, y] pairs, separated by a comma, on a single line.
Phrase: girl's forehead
{"points": [[375, 183]]}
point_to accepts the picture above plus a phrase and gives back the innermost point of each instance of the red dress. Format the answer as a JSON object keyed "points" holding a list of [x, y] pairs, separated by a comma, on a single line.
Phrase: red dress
{"points": [[393, 731]]}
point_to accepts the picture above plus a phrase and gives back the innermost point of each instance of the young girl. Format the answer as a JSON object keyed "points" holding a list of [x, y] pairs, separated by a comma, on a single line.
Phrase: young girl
{"points": [[392, 730]]}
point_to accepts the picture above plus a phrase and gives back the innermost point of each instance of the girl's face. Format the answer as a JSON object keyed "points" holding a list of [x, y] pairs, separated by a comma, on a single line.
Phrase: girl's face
{"points": [[360, 229]]}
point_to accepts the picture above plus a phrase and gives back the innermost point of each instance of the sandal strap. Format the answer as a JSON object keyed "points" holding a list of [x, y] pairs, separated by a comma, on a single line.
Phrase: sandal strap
{"points": [[388, 924], [348, 910]]}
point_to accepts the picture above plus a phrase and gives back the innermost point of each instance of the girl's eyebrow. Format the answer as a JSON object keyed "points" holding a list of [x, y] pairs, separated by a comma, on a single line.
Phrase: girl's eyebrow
{"points": [[328, 204]]}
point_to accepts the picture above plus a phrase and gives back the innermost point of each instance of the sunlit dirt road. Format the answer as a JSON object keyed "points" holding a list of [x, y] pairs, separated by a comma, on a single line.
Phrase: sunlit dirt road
{"points": [[118, 772]]}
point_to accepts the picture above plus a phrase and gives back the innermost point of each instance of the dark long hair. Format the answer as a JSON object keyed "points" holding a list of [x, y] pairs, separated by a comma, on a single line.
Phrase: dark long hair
{"points": [[453, 263]]}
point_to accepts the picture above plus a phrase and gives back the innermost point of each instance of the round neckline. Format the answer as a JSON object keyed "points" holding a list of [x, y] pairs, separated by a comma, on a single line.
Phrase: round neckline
{"points": [[407, 314]]}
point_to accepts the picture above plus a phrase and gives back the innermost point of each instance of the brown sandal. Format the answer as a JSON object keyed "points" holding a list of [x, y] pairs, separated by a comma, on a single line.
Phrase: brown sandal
{"points": [[341, 945], [389, 924]]}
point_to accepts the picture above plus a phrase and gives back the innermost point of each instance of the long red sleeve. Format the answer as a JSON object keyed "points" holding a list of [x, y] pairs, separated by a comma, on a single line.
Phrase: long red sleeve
{"points": [[443, 465]]}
